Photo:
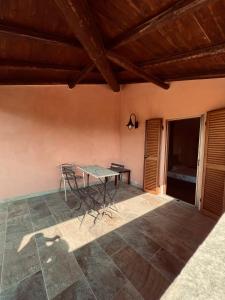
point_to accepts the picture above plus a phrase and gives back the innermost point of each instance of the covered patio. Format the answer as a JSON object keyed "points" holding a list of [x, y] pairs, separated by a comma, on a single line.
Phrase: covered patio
{"points": [[137, 254]]}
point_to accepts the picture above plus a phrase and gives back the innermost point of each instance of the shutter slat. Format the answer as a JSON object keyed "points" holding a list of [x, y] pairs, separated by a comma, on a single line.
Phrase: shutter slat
{"points": [[152, 155], [214, 164]]}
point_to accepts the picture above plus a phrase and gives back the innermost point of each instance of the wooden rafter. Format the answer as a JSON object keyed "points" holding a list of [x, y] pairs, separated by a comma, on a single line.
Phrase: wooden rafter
{"points": [[81, 21], [126, 64], [190, 55], [12, 64], [33, 34], [19, 81], [181, 7], [82, 75], [199, 53], [206, 75], [172, 12]]}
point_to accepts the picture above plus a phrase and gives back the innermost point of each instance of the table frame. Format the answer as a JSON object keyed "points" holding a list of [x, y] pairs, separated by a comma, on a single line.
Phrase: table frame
{"points": [[103, 179]]}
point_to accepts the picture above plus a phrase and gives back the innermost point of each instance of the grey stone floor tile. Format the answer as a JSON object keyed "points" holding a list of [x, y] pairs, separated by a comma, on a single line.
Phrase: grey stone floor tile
{"points": [[111, 242], [19, 224], [3, 206], [31, 288], [148, 281], [59, 210], [55, 200], [43, 222], [142, 244], [38, 210], [17, 208], [168, 265], [36, 200], [60, 268], [3, 217], [58, 196], [80, 290], [113, 255], [103, 276], [62, 215], [2, 247], [175, 212], [47, 236], [20, 260], [164, 223], [128, 292], [164, 239]]}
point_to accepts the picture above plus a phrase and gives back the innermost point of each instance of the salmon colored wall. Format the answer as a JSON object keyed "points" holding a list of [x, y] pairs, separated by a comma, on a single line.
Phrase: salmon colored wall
{"points": [[43, 126], [182, 100]]}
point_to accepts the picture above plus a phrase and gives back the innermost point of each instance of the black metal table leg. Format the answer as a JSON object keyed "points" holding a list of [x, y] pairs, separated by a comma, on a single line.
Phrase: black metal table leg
{"points": [[128, 178], [88, 177]]}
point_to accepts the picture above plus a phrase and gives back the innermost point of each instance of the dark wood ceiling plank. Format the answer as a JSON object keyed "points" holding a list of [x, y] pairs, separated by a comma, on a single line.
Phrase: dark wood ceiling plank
{"points": [[81, 21], [206, 20], [190, 55], [44, 37], [126, 64], [175, 11]]}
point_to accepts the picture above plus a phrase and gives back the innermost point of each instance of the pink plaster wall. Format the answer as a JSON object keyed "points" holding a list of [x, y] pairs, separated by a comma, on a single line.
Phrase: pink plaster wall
{"points": [[43, 126], [182, 100]]}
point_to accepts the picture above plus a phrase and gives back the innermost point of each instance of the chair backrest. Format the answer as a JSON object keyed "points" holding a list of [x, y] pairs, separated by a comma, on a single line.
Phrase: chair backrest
{"points": [[115, 165], [66, 167]]}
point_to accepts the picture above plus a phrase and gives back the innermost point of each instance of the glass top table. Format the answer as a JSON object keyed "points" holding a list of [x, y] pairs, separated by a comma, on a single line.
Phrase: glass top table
{"points": [[106, 192]]}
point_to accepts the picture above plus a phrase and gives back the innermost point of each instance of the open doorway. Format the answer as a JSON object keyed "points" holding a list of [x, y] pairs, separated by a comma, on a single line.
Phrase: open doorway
{"points": [[183, 159]]}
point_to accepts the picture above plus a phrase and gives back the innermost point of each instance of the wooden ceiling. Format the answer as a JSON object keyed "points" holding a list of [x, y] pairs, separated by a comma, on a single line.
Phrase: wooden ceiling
{"points": [[111, 41]]}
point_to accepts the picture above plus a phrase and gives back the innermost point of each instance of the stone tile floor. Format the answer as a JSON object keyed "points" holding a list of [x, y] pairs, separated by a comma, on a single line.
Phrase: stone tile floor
{"points": [[45, 252]]}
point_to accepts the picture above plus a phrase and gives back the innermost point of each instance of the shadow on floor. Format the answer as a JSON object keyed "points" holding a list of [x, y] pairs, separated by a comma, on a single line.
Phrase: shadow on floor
{"points": [[136, 254]]}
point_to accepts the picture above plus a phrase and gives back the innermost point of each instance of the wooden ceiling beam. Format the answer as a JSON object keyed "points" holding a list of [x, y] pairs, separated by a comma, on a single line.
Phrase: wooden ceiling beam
{"points": [[79, 17], [32, 34], [175, 11], [82, 75], [196, 76], [36, 65], [172, 12], [20, 81], [129, 66], [190, 55]]}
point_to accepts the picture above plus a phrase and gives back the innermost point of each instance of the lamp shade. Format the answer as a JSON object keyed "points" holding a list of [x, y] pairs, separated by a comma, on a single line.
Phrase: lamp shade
{"points": [[133, 123], [130, 124]]}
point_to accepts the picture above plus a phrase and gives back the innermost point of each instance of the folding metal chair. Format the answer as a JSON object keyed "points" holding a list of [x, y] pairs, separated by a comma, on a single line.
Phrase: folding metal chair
{"points": [[67, 173]]}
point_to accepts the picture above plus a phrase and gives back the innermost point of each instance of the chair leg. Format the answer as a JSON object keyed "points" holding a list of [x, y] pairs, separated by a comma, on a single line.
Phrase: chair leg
{"points": [[116, 179], [64, 185], [60, 184], [83, 179], [128, 178]]}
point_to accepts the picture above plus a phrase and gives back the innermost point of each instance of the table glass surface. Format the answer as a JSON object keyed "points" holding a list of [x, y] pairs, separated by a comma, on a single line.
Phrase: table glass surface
{"points": [[97, 171]]}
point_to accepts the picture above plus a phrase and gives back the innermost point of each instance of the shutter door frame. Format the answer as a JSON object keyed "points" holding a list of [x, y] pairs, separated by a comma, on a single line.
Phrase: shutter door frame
{"points": [[151, 159], [207, 166]]}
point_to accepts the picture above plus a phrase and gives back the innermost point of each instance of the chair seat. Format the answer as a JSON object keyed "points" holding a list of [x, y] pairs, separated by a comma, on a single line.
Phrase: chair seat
{"points": [[71, 177]]}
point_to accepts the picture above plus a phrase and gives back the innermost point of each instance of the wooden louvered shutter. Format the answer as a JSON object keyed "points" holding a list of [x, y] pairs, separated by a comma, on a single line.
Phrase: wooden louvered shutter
{"points": [[153, 130], [214, 164]]}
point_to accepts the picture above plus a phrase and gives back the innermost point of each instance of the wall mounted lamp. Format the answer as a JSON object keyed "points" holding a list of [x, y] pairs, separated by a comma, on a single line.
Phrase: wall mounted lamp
{"points": [[133, 123]]}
